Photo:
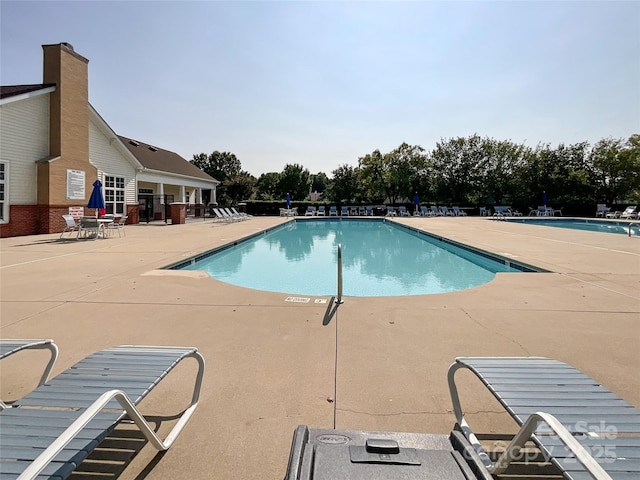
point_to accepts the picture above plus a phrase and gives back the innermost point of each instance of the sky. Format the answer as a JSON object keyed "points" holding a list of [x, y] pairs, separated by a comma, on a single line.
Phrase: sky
{"points": [[324, 83]]}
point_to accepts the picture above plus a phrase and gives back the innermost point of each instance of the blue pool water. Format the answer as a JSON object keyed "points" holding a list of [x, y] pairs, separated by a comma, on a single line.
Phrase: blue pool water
{"points": [[605, 226], [379, 259]]}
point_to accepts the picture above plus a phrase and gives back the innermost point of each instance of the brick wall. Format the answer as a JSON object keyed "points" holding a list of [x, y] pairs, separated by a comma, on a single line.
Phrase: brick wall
{"points": [[24, 220], [39, 219]]}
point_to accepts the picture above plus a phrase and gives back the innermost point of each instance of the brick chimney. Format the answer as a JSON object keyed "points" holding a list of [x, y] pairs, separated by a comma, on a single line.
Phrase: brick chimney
{"points": [[68, 126]]}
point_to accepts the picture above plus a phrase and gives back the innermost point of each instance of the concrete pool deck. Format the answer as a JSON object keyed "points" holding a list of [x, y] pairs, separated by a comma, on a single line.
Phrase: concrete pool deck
{"points": [[371, 363]]}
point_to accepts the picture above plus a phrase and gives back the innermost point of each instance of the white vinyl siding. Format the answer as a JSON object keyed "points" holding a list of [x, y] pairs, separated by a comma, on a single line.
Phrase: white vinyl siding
{"points": [[109, 161], [24, 139]]}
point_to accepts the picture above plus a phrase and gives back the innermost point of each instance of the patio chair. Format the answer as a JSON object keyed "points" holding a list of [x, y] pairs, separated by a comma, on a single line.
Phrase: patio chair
{"points": [[311, 211], [321, 211], [89, 228], [435, 212], [333, 211], [118, 225], [563, 411], [602, 210], [10, 347], [54, 428], [458, 213], [71, 225], [344, 211], [424, 211], [403, 211], [391, 212], [484, 211], [353, 211], [369, 211]]}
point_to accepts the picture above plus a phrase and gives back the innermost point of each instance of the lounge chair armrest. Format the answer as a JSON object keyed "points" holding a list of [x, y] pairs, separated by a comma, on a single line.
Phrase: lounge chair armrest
{"points": [[526, 432]]}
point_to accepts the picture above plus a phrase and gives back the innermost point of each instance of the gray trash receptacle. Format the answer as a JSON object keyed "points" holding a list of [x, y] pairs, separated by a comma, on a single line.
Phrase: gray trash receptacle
{"points": [[320, 454]]}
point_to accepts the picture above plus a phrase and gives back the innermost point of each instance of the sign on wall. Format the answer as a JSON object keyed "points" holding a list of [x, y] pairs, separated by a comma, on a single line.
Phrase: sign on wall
{"points": [[75, 184], [76, 212]]}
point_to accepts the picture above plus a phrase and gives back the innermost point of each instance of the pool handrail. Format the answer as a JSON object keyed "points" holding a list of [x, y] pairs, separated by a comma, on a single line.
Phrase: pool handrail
{"points": [[339, 298]]}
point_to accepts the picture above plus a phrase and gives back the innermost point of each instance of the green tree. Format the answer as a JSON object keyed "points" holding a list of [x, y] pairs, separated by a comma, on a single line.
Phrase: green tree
{"points": [[404, 165], [319, 182], [616, 167], [240, 187], [267, 186], [501, 160], [295, 181], [372, 168], [344, 184], [458, 163], [220, 165]]}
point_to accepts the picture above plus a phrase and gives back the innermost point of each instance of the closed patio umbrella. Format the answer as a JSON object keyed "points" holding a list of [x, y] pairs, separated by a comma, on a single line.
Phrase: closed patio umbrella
{"points": [[416, 202], [96, 200], [545, 199], [288, 201]]}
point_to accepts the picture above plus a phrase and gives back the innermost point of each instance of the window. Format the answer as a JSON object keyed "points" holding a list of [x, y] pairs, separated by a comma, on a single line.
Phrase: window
{"points": [[4, 191], [114, 194]]}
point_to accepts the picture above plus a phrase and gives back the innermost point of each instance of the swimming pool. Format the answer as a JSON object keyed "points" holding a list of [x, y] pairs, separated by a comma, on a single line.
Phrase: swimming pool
{"points": [[588, 224], [380, 258]]}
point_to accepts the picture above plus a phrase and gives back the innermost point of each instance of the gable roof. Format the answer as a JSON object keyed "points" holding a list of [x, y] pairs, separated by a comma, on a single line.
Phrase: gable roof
{"points": [[154, 158], [7, 91]]}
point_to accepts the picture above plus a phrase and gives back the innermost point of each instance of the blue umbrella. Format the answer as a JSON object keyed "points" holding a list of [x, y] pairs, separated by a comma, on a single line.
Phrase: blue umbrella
{"points": [[545, 200], [416, 202], [288, 200], [96, 200]]}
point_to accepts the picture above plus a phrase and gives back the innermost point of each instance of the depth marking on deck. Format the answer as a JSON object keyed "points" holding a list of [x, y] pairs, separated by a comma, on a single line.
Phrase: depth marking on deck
{"points": [[320, 300], [297, 299]]}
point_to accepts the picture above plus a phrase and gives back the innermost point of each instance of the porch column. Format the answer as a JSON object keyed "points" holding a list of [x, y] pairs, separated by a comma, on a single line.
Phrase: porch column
{"points": [[199, 196], [161, 192], [182, 194]]}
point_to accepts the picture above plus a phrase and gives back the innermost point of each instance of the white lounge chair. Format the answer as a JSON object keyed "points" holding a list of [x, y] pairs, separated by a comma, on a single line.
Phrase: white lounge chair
{"points": [[235, 216], [344, 211], [48, 432], [10, 347], [435, 211], [311, 211], [321, 211], [403, 211], [567, 414], [240, 214], [458, 213], [630, 212], [333, 211], [445, 211]]}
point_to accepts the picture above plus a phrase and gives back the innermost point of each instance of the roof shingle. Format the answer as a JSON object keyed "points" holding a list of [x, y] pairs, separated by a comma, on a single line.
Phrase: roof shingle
{"points": [[155, 158]]}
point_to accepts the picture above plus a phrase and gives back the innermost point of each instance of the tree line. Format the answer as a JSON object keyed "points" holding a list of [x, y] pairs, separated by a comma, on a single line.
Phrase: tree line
{"points": [[468, 171]]}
